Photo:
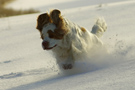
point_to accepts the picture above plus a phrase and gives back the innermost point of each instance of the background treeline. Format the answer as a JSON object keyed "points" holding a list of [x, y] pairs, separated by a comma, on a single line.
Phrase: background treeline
{"points": [[5, 12]]}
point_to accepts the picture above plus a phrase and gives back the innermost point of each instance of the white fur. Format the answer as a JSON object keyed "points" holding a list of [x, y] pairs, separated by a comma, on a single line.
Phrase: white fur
{"points": [[49, 26], [76, 43]]}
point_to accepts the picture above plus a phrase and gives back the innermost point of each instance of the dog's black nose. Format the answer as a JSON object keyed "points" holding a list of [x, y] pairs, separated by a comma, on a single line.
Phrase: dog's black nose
{"points": [[45, 44]]}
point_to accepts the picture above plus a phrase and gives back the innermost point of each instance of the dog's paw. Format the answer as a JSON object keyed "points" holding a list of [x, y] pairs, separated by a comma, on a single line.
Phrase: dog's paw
{"points": [[55, 16], [67, 66]]}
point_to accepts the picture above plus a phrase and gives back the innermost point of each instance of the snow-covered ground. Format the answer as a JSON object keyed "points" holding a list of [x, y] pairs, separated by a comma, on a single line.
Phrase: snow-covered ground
{"points": [[25, 66]]}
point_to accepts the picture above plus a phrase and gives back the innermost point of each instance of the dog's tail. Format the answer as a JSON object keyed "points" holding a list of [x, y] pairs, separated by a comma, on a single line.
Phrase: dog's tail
{"points": [[99, 27]]}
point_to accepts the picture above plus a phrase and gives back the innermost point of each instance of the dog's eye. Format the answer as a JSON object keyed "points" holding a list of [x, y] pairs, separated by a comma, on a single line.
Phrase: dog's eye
{"points": [[51, 36]]}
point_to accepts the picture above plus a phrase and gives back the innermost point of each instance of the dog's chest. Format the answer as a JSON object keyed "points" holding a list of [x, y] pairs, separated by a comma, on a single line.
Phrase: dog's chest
{"points": [[60, 52]]}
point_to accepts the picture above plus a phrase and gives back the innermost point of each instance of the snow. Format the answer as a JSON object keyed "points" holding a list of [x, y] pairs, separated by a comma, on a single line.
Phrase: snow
{"points": [[25, 66]]}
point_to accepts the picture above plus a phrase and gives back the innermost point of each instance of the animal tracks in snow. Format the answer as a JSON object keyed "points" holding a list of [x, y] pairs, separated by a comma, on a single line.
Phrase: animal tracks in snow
{"points": [[27, 73]]}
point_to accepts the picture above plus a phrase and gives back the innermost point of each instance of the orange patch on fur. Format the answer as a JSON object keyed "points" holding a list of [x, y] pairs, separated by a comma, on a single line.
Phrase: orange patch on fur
{"points": [[55, 16], [55, 35], [58, 20], [42, 20], [83, 29]]}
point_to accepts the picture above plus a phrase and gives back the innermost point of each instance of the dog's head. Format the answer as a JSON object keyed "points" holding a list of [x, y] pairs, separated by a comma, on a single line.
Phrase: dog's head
{"points": [[51, 29]]}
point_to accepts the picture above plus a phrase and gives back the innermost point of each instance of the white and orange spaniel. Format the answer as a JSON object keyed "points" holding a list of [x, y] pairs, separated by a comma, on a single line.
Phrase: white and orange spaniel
{"points": [[66, 39]]}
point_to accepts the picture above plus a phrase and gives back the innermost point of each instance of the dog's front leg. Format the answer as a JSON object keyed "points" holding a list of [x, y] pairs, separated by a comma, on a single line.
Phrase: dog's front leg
{"points": [[69, 62]]}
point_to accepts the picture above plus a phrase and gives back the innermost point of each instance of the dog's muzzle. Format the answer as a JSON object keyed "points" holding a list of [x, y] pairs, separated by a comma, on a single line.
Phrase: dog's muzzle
{"points": [[45, 45]]}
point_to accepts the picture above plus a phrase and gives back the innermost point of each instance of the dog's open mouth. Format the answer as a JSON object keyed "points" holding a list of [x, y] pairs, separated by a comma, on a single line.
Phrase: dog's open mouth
{"points": [[48, 48]]}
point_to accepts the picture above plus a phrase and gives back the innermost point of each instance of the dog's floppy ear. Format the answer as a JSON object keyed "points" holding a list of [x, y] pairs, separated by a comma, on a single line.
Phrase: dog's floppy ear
{"points": [[58, 20], [42, 20], [55, 16]]}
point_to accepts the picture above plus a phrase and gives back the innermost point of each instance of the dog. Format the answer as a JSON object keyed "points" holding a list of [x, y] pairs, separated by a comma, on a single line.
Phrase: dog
{"points": [[67, 40]]}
